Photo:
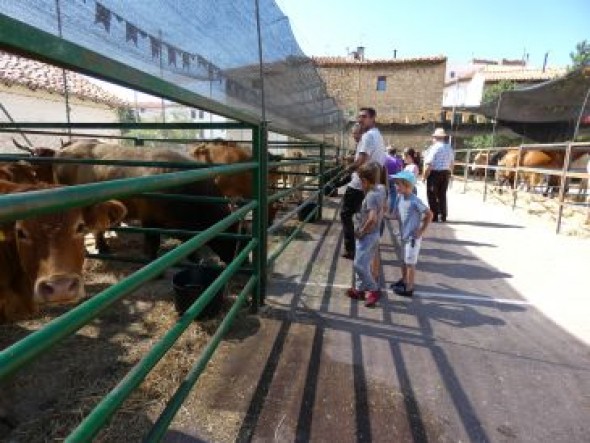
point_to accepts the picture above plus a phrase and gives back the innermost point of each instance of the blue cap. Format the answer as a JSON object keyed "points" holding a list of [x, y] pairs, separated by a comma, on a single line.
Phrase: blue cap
{"points": [[405, 175]]}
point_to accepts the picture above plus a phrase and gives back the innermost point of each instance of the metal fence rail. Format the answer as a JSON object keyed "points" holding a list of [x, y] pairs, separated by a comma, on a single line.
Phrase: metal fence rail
{"points": [[35, 203], [564, 173]]}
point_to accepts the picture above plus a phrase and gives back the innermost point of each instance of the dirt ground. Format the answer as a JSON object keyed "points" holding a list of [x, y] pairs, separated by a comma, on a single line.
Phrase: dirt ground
{"points": [[537, 208]]}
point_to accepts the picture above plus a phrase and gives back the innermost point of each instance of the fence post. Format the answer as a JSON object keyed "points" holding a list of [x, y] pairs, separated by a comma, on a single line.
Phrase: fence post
{"points": [[260, 220], [485, 179], [322, 180], [514, 190], [465, 169], [563, 184]]}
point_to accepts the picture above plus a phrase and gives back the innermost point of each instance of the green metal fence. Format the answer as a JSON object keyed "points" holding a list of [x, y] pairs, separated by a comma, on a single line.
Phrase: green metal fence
{"points": [[23, 39], [18, 206]]}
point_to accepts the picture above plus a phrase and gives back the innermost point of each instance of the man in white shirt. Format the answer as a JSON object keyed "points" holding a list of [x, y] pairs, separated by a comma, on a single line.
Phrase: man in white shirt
{"points": [[438, 162], [370, 148]]}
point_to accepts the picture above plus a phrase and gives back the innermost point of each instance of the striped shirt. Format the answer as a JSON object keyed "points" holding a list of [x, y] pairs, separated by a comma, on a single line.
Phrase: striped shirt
{"points": [[440, 157]]}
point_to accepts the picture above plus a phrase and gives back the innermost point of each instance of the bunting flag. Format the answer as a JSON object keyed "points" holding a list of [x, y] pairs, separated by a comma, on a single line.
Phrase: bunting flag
{"points": [[131, 33], [156, 46], [171, 55], [103, 16], [202, 61], [186, 63]]}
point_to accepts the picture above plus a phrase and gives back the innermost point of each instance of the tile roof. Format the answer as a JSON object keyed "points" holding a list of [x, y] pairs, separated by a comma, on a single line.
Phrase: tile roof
{"points": [[492, 73], [344, 61], [496, 73], [32, 74]]}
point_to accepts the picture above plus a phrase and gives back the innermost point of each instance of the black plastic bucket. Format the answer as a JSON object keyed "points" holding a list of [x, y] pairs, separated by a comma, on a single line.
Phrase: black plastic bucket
{"points": [[189, 284], [305, 210]]}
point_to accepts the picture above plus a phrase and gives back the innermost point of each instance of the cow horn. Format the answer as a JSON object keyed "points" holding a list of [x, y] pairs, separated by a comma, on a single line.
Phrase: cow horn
{"points": [[23, 147]]}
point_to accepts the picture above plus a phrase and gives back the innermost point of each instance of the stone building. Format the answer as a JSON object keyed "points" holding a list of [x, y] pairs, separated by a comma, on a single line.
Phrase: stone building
{"points": [[31, 91], [404, 92]]}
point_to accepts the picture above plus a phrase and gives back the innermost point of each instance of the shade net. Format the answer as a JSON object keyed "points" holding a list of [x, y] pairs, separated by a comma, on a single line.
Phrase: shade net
{"points": [[560, 100], [207, 47]]}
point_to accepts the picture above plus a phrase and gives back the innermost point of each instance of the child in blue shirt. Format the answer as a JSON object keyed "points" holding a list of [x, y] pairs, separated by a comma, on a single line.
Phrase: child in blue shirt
{"points": [[413, 217]]}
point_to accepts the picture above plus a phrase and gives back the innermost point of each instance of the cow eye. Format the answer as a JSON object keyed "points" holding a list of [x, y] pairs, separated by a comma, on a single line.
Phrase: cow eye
{"points": [[21, 234], [81, 228]]}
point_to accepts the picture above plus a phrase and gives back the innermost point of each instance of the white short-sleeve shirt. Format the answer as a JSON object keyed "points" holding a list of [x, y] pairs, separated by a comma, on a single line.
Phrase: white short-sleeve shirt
{"points": [[372, 144]]}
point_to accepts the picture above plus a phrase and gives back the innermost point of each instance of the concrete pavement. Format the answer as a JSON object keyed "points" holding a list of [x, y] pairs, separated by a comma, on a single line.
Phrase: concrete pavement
{"points": [[493, 346]]}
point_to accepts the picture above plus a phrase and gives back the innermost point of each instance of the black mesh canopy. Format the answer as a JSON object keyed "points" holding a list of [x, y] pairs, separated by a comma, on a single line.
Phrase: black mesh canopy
{"points": [[209, 48], [545, 112]]}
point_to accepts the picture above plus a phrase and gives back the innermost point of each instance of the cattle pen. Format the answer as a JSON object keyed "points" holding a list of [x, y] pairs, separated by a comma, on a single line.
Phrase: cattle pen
{"points": [[566, 196], [245, 90]]}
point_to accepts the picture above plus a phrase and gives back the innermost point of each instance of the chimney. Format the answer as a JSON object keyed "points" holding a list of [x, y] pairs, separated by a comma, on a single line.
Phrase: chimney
{"points": [[361, 53], [395, 53]]}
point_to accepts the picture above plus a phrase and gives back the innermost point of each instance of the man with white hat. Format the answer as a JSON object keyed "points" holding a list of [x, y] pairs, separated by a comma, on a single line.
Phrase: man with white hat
{"points": [[438, 163]]}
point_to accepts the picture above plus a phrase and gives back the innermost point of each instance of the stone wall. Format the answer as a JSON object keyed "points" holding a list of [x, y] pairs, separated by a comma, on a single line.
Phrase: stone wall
{"points": [[413, 94]]}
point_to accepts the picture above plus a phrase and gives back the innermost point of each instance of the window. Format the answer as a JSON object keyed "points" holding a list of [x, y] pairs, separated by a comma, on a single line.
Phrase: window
{"points": [[201, 114], [381, 83], [193, 114]]}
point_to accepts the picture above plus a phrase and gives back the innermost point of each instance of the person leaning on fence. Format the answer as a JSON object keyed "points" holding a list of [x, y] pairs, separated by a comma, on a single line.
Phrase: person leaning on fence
{"points": [[356, 133], [367, 238], [413, 217], [369, 148], [438, 163]]}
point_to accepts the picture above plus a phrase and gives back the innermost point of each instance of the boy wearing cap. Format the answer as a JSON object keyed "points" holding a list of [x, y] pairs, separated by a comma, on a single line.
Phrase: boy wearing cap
{"points": [[413, 217]]}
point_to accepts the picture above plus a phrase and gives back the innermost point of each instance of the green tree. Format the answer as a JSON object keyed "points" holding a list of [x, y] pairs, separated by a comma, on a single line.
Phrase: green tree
{"points": [[491, 93], [487, 141], [581, 57]]}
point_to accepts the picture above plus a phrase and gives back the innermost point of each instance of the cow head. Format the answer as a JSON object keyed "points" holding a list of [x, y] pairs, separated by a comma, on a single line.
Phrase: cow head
{"points": [[19, 172], [50, 248]]}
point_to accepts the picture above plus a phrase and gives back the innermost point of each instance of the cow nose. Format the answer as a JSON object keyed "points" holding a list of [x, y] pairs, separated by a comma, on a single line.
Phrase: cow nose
{"points": [[59, 289]]}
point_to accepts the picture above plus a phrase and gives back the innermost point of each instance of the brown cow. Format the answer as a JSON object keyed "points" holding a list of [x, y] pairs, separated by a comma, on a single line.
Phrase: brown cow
{"points": [[238, 185], [152, 213], [18, 172], [481, 159], [41, 258], [530, 159]]}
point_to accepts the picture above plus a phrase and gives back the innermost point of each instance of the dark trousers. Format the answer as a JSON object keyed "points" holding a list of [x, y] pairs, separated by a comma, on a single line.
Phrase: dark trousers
{"points": [[437, 184], [351, 204]]}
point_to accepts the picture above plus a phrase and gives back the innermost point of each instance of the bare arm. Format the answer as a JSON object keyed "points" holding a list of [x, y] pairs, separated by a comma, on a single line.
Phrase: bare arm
{"points": [[362, 159], [425, 222], [369, 225]]}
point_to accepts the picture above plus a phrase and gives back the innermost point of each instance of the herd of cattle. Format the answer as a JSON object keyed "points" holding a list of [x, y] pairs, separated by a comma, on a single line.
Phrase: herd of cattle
{"points": [[41, 258], [509, 158]]}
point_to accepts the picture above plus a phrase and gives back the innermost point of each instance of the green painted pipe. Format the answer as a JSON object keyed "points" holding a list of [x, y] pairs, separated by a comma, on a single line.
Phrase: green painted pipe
{"points": [[21, 205], [163, 423], [25, 350], [92, 424]]}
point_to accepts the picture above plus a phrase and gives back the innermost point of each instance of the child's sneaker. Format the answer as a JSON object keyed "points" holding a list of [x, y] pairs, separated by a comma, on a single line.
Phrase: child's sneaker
{"points": [[398, 284], [355, 294], [404, 292], [372, 298]]}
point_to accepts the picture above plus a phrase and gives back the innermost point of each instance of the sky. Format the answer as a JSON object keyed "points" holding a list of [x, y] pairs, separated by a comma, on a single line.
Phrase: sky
{"points": [[459, 29]]}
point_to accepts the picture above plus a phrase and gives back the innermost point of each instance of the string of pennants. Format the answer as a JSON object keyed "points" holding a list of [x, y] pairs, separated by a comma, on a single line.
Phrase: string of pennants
{"points": [[104, 16]]}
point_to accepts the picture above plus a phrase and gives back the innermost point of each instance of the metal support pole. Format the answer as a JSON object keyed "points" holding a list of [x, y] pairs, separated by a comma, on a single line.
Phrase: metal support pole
{"points": [[322, 180], [465, 170], [485, 180], [514, 190], [562, 187], [260, 221]]}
